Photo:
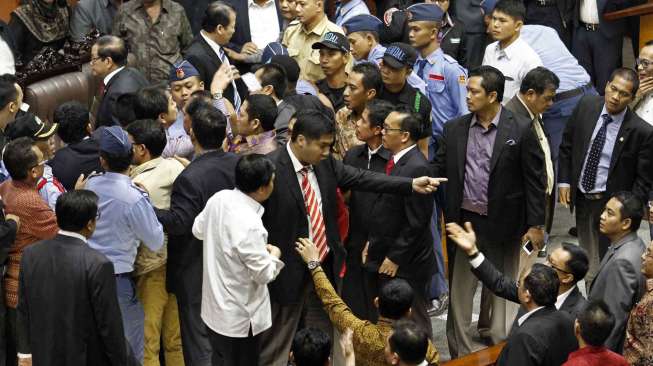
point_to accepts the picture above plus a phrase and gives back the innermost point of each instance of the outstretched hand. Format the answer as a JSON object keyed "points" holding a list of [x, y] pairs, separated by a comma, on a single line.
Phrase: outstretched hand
{"points": [[426, 185], [464, 238]]}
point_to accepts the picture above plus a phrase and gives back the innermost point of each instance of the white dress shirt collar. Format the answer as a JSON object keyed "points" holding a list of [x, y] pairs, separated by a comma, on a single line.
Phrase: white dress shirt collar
{"points": [[523, 318], [250, 202], [111, 75], [401, 153], [513, 49], [214, 46], [296, 164], [563, 297], [525, 106], [251, 3], [73, 235]]}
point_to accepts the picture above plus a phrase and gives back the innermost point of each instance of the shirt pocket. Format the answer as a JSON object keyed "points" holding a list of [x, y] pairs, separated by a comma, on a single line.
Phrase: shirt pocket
{"points": [[435, 84], [293, 52], [314, 57]]}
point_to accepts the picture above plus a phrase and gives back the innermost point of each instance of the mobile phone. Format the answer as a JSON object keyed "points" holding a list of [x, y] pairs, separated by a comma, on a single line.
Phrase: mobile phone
{"points": [[528, 247]]}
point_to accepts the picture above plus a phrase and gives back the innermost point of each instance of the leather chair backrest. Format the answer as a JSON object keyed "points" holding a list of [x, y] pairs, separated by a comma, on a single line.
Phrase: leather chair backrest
{"points": [[46, 95]]}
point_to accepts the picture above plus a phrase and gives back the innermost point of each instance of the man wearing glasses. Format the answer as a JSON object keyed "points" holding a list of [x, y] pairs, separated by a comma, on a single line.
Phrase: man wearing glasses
{"points": [[643, 103]]}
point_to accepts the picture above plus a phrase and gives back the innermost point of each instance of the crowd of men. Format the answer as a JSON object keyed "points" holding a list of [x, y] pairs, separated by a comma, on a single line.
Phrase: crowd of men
{"points": [[257, 183]]}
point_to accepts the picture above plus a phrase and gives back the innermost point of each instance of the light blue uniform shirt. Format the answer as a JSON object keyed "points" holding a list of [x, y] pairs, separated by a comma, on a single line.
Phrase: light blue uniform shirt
{"points": [[126, 219], [446, 88], [555, 56], [611, 133], [376, 55], [344, 12]]}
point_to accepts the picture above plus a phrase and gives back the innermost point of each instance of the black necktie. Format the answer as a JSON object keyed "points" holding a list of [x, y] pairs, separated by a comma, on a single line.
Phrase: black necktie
{"points": [[592, 166]]}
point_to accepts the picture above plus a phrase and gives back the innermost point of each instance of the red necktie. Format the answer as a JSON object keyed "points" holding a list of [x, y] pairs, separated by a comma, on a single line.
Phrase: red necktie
{"points": [[390, 165], [102, 86], [317, 222]]}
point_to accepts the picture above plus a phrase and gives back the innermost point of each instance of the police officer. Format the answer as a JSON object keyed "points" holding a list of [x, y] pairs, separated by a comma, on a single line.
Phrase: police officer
{"points": [[445, 78], [396, 66], [363, 34]]}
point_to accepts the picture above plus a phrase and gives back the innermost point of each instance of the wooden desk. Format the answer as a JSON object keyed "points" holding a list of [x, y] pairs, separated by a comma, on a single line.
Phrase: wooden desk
{"points": [[6, 7], [485, 357], [645, 12]]}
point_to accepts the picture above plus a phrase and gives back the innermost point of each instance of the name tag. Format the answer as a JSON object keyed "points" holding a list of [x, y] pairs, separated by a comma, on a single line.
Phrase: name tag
{"points": [[436, 77], [455, 40]]}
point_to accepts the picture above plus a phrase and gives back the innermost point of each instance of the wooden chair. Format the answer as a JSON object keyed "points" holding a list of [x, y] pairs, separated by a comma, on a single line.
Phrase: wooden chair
{"points": [[485, 357]]}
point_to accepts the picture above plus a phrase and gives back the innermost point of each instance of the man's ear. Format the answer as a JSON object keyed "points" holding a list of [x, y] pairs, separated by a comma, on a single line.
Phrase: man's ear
{"points": [[376, 302], [255, 123]]}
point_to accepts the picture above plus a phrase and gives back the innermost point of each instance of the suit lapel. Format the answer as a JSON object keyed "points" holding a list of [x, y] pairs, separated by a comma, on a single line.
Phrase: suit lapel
{"points": [[215, 60], [404, 159], [461, 148], [113, 80], [291, 180], [503, 132], [622, 139]]}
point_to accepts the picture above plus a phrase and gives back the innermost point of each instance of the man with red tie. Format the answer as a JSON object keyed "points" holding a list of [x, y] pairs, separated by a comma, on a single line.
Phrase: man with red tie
{"points": [[303, 205], [400, 239]]}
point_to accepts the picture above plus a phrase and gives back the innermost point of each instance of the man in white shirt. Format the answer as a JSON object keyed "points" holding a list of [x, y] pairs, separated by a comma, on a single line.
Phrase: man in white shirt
{"points": [[238, 264], [510, 54], [643, 103], [7, 61]]}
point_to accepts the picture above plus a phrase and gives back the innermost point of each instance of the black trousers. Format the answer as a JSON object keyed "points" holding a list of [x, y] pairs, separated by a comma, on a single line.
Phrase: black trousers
{"points": [[598, 54], [229, 351]]}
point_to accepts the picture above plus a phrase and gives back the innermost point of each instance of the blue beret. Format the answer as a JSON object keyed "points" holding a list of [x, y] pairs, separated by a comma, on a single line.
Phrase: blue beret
{"points": [[114, 140], [488, 6], [273, 49], [181, 71], [425, 12], [362, 23]]}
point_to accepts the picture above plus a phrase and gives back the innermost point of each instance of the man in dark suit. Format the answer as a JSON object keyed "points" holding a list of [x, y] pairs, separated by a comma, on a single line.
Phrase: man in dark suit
{"points": [[190, 192], [543, 336], [108, 62], [597, 43], [400, 238], [81, 155], [606, 148], [68, 310], [9, 225], [303, 205], [207, 53], [535, 96], [569, 261], [372, 156], [619, 281], [494, 167]]}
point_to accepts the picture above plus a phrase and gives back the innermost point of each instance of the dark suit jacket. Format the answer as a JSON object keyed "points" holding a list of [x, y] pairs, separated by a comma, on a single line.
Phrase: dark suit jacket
{"points": [[506, 287], [75, 159], [400, 225], [631, 165], [516, 185], [285, 216], [545, 339], [242, 34], [68, 305], [128, 80], [453, 42], [206, 175], [619, 282], [202, 56]]}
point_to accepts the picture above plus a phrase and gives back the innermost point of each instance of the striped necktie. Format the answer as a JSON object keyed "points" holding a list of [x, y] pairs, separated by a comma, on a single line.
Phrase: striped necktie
{"points": [[225, 60], [317, 227]]}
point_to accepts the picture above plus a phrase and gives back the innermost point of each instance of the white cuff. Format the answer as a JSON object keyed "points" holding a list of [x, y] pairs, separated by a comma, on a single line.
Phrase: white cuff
{"points": [[476, 262], [564, 185], [24, 355]]}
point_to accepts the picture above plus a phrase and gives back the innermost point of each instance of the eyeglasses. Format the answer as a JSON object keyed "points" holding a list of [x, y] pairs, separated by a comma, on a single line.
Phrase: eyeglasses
{"points": [[548, 260], [94, 59], [386, 128], [644, 62]]}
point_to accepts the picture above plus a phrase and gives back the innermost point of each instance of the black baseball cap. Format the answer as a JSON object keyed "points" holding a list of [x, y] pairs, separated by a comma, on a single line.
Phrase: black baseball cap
{"points": [[334, 41], [29, 125], [399, 55]]}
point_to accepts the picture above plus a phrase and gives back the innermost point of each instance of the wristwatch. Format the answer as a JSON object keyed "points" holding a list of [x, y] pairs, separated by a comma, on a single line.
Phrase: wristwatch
{"points": [[312, 265], [473, 256], [217, 95]]}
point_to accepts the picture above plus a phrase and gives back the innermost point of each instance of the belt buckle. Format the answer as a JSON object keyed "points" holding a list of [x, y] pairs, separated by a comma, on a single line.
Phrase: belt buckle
{"points": [[591, 27], [541, 2]]}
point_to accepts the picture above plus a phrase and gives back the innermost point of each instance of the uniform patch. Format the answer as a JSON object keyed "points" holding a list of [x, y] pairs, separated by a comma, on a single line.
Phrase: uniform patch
{"points": [[461, 79], [436, 77]]}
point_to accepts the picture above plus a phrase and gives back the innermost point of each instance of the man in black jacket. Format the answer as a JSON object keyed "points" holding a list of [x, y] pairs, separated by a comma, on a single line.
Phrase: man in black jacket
{"points": [[494, 167], [68, 309], [307, 176], [400, 238], [108, 62], [9, 225], [543, 336], [81, 153], [211, 171], [207, 52], [569, 261], [606, 148]]}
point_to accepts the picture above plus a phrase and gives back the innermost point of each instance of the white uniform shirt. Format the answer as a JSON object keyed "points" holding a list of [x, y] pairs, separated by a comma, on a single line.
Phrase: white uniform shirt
{"points": [[645, 109], [237, 265], [514, 62]]}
